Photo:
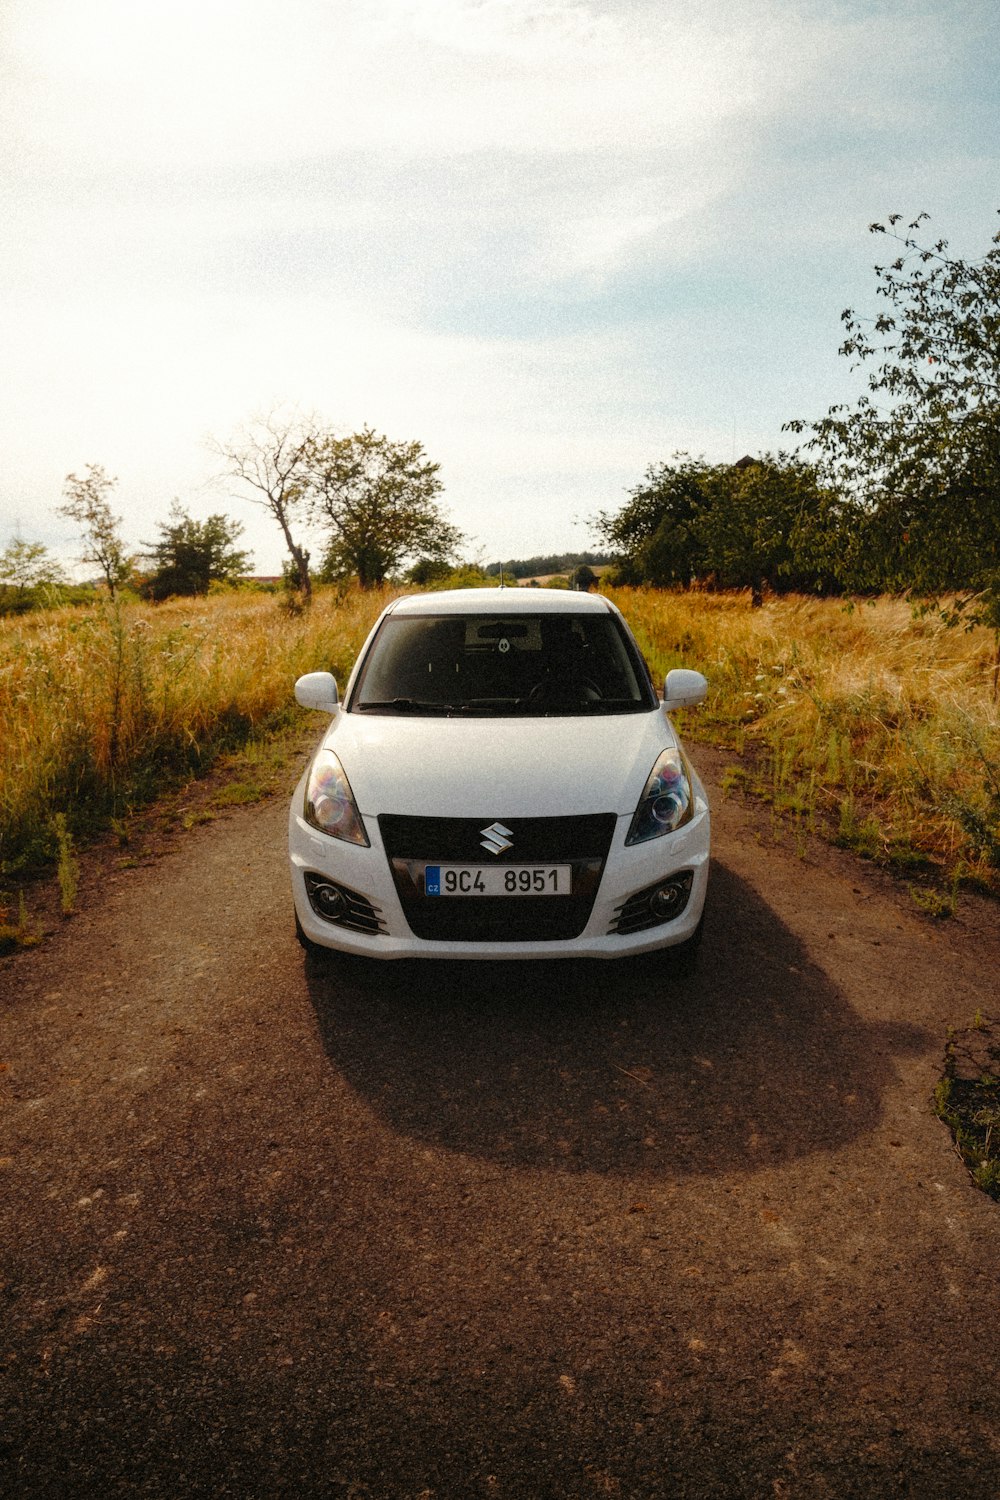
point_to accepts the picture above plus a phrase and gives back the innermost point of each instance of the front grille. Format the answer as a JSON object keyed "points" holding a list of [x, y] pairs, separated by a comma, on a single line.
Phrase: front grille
{"points": [[412, 843]]}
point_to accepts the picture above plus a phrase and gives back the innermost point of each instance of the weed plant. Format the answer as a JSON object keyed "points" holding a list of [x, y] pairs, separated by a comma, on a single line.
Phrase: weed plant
{"points": [[67, 864], [868, 722], [19, 934], [101, 708]]}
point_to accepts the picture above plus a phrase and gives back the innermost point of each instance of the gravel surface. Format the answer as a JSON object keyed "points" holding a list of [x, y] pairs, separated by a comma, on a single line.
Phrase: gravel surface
{"points": [[275, 1226]]}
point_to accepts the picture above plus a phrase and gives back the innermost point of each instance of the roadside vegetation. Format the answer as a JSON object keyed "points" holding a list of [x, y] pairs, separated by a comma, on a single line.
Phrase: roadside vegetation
{"points": [[106, 706], [862, 721]]}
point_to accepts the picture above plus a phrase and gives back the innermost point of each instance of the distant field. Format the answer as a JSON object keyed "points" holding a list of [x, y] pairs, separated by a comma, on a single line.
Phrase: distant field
{"points": [[862, 723]]}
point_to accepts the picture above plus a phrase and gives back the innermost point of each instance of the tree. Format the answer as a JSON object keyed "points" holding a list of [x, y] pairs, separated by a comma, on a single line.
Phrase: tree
{"points": [[269, 457], [427, 571], [655, 533], [920, 451], [769, 522], [742, 525], [192, 554], [378, 501], [26, 570], [583, 578], [87, 504]]}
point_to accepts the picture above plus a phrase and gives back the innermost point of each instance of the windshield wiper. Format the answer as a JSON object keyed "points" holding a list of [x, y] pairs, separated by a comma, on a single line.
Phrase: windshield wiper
{"points": [[498, 707], [404, 706]]}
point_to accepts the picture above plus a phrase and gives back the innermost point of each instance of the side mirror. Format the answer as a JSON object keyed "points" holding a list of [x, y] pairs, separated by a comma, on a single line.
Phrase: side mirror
{"points": [[683, 689], [318, 690]]}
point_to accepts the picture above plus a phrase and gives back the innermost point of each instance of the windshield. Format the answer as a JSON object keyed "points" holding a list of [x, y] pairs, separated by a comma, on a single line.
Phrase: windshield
{"points": [[501, 665]]}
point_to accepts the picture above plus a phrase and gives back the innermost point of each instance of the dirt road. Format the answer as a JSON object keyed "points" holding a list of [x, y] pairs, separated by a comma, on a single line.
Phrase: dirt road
{"points": [[275, 1229]]}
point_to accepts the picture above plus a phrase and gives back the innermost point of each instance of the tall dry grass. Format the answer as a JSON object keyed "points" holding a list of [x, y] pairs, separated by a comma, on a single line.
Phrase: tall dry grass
{"points": [[862, 719], [862, 722], [101, 707]]}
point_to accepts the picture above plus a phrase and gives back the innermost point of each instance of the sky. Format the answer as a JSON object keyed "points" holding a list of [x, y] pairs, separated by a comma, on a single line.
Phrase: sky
{"points": [[555, 241]]}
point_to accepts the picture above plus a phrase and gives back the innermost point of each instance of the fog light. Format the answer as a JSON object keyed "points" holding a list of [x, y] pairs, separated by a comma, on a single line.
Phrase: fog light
{"points": [[665, 901], [329, 902], [654, 904]]}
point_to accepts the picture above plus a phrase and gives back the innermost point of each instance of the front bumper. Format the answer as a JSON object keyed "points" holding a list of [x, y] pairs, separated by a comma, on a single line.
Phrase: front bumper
{"points": [[626, 872]]}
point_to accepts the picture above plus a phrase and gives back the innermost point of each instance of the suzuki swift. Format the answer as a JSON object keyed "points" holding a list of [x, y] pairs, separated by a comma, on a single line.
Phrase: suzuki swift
{"points": [[500, 781]]}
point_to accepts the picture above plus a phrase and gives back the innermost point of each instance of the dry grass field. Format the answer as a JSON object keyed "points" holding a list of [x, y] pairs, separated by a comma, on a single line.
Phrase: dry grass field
{"points": [[861, 720], [102, 707], [862, 723]]}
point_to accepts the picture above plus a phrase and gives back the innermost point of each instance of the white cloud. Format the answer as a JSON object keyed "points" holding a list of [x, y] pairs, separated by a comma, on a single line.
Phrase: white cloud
{"points": [[201, 81]]}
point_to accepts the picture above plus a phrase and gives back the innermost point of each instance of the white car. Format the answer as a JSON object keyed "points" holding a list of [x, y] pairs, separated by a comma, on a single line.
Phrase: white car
{"points": [[501, 781]]}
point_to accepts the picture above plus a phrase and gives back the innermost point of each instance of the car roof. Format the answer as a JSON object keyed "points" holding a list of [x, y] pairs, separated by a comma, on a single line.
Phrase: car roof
{"points": [[526, 601]]}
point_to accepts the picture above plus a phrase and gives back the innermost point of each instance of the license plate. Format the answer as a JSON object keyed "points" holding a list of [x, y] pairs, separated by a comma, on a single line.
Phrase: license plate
{"points": [[498, 880]]}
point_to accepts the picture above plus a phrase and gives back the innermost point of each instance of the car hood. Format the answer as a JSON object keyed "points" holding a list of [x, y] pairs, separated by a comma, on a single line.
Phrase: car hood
{"points": [[517, 768]]}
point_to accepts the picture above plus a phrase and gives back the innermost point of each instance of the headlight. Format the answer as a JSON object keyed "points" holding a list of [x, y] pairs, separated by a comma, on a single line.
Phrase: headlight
{"points": [[667, 801], [330, 804]]}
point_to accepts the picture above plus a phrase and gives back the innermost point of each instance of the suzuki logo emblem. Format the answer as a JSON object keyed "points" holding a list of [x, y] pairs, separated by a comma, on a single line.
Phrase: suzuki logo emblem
{"points": [[496, 838]]}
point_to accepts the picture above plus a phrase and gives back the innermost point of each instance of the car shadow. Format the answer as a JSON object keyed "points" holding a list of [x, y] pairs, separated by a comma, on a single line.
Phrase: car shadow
{"points": [[625, 1067]]}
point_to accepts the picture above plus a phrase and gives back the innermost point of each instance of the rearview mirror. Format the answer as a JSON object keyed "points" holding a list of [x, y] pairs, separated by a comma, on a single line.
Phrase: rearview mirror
{"points": [[318, 690], [683, 689]]}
